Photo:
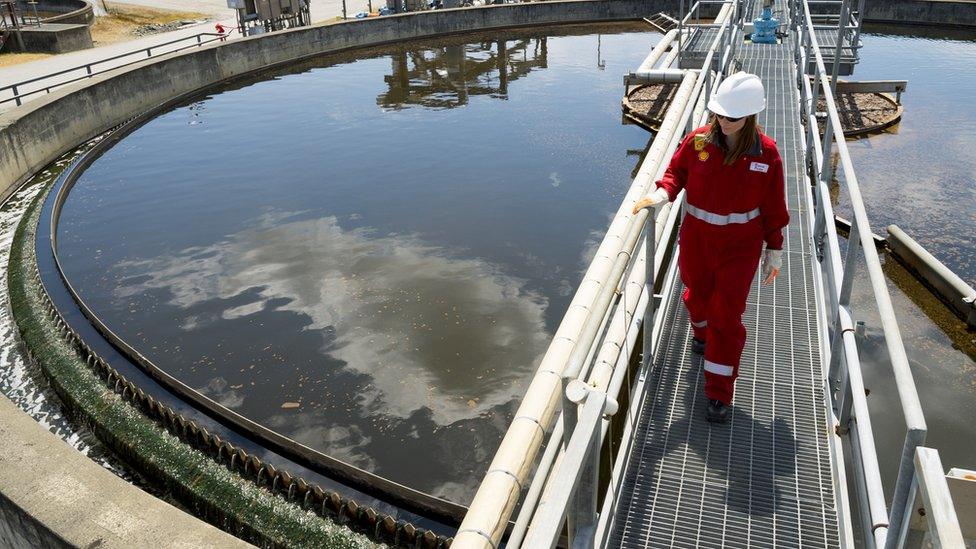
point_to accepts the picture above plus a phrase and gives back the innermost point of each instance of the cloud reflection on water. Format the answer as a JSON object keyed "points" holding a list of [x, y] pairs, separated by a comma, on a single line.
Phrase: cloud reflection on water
{"points": [[453, 335]]}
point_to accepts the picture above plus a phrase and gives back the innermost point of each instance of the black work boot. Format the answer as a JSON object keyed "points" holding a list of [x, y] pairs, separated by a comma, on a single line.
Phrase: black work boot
{"points": [[697, 347], [717, 411]]}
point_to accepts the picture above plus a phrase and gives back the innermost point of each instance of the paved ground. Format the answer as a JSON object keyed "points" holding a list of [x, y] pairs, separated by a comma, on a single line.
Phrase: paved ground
{"points": [[321, 9], [209, 7], [217, 9], [81, 502]]}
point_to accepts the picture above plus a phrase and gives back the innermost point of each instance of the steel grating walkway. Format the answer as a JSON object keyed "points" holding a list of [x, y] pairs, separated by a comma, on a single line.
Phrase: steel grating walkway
{"points": [[827, 39], [765, 478]]}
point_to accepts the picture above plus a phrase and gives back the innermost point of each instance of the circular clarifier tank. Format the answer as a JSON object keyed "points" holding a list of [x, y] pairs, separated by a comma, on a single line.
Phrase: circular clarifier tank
{"points": [[368, 254]]}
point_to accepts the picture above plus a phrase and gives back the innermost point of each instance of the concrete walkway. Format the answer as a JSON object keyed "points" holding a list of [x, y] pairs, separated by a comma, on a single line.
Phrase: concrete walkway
{"points": [[53, 496], [320, 10]]}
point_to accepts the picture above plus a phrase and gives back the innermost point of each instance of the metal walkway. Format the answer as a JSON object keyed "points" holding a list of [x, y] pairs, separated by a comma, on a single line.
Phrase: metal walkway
{"points": [[764, 479]]}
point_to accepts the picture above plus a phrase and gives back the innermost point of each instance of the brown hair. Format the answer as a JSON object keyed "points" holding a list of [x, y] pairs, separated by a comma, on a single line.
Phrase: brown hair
{"points": [[747, 138]]}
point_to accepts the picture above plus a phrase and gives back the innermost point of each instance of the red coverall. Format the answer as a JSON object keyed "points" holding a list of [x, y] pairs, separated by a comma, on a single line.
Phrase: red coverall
{"points": [[730, 211]]}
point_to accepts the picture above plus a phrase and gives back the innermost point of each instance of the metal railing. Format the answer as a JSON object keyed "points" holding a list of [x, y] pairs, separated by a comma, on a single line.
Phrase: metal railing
{"points": [[566, 494], [881, 527], [89, 68]]}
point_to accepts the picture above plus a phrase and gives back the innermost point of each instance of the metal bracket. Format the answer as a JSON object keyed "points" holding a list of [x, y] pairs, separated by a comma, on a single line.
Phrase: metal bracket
{"points": [[971, 317], [578, 390], [818, 241]]}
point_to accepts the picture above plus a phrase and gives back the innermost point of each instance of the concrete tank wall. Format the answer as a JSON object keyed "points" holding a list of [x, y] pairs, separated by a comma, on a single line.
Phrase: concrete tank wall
{"points": [[38, 132], [79, 12], [956, 13], [54, 38]]}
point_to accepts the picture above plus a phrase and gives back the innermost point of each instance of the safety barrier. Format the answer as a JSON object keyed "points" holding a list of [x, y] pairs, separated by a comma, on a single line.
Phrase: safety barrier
{"points": [[48, 82], [881, 527]]}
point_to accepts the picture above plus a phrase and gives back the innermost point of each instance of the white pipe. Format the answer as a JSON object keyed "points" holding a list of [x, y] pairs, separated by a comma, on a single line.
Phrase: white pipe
{"points": [[657, 52]]}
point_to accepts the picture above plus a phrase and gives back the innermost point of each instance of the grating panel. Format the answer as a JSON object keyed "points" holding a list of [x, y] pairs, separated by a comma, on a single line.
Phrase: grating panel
{"points": [[827, 39], [765, 478]]}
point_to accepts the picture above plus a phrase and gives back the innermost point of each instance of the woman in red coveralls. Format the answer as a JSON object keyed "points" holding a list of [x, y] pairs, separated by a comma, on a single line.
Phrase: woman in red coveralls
{"points": [[733, 180]]}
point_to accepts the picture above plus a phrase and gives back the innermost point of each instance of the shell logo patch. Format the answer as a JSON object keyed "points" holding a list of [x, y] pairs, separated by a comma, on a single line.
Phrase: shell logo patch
{"points": [[703, 156]]}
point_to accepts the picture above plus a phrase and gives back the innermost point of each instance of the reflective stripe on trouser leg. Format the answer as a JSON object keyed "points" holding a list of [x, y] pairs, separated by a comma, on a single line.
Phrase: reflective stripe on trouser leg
{"points": [[719, 369], [699, 329]]}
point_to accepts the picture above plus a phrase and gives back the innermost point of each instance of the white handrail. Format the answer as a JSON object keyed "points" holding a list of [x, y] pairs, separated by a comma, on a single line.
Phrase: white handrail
{"points": [[883, 527]]}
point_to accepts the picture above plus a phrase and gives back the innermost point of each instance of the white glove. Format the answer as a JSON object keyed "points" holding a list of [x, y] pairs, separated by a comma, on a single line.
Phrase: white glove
{"points": [[772, 262], [659, 196]]}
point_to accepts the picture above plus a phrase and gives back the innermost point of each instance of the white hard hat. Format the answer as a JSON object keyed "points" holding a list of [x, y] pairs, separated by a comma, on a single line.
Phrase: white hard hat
{"points": [[739, 95]]}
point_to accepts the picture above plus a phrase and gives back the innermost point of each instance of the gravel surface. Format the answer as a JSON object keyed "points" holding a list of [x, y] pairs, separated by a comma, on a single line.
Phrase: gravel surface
{"points": [[649, 102], [862, 111]]}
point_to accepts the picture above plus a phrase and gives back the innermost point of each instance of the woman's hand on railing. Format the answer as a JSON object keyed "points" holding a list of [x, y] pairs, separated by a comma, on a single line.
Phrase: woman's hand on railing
{"points": [[659, 196]]}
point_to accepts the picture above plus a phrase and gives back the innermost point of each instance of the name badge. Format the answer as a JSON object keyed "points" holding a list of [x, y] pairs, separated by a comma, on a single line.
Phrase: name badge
{"points": [[759, 167]]}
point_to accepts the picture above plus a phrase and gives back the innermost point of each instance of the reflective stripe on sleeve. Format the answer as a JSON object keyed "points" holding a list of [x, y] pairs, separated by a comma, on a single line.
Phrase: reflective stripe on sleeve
{"points": [[718, 369], [718, 219], [701, 324]]}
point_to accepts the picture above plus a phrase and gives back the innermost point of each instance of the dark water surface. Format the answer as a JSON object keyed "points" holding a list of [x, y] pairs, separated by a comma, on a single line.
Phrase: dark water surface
{"points": [[921, 173], [368, 256], [371, 255], [921, 176]]}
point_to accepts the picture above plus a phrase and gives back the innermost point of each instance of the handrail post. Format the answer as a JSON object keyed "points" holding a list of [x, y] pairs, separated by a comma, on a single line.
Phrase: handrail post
{"points": [[648, 322], [940, 513], [844, 12], [570, 421], [860, 23], [847, 398], [845, 394], [901, 507], [844, 300], [556, 507], [854, 243], [584, 527], [827, 144]]}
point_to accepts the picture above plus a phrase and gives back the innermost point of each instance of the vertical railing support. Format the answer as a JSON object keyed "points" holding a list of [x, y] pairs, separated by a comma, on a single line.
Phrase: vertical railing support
{"points": [[570, 420], [581, 518], [841, 31], [850, 263], [944, 530], [901, 501], [857, 32], [648, 323]]}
